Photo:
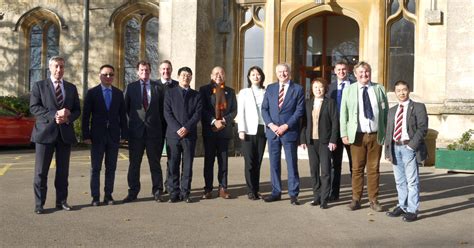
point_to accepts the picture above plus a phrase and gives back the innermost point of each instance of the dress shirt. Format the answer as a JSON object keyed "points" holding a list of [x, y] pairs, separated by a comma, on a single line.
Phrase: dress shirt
{"points": [[404, 121], [365, 125], [148, 90], [345, 82]]}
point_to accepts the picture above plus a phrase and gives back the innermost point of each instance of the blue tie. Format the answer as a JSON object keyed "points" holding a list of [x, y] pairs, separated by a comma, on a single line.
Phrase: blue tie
{"points": [[108, 97], [339, 96], [368, 113]]}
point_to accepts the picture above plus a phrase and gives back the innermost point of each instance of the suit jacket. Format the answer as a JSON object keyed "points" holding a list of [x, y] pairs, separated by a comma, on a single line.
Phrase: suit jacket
{"points": [[112, 121], [328, 125], [182, 112], [173, 84], [290, 113], [248, 116], [140, 122], [43, 106], [349, 117], [417, 128], [208, 100]]}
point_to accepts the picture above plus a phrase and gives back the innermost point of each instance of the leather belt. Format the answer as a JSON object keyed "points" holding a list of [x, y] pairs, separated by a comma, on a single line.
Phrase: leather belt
{"points": [[401, 143], [367, 133]]}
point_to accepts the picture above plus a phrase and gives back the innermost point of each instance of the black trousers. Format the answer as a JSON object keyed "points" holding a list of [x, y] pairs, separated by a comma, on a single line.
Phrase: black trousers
{"points": [[320, 168], [337, 167], [43, 158], [137, 147], [215, 147], [253, 148], [181, 150], [109, 149]]}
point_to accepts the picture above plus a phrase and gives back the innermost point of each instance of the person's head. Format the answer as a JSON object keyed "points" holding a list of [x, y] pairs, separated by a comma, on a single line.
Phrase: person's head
{"points": [[255, 76], [402, 90], [143, 70], [319, 87], [106, 75], [185, 75], [218, 75], [283, 72], [56, 67], [165, 70], [340, 69], [362, 72]]}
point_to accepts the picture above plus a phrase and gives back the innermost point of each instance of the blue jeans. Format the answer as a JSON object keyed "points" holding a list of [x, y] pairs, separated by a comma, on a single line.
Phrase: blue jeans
{"points": [[405, 171]]}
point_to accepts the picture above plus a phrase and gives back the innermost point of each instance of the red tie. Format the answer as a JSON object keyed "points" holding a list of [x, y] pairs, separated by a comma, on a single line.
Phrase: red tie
{"points": [[59, 93], [145, 97], [281, 96], [397, 134]]}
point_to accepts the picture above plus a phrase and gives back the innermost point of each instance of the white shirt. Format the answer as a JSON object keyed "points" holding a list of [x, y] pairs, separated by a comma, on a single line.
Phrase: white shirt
{"points": [[404, 121], [346, 83], [148, 90], [56, 85], [258, 94], [366, 125]]}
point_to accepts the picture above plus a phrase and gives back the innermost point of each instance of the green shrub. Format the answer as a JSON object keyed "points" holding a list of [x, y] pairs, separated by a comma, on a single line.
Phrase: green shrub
{"points": [[19, 104], [464, 143]]}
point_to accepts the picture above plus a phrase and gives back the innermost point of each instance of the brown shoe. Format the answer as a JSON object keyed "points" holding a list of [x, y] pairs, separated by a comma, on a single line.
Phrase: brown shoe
{"points": [[224, 194], [355, 204], [375, 205], [207, 195]]}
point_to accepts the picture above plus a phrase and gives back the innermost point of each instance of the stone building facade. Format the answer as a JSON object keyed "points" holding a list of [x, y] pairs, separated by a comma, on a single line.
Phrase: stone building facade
{"points": [[427, 43]]}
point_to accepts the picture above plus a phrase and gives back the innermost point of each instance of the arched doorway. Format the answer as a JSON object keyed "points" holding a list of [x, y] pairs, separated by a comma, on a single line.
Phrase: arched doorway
{"points": [[320, 42]]}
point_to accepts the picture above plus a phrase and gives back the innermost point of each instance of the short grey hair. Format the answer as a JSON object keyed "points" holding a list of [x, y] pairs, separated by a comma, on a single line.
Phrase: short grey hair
{"points": [[284, 64], [55, 59]]}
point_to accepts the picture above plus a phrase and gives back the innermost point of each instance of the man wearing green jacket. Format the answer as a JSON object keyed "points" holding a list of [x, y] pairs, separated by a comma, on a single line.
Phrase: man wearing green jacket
{"points": [[363, 120]]}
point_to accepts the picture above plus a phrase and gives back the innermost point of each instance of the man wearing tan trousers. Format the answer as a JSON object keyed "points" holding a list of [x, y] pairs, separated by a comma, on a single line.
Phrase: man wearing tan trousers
{"points": [[363, 120]]}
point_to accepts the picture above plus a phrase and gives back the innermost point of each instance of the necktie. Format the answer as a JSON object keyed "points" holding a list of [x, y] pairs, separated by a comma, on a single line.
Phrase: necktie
{"points": [[108, 97], [339, 96], [397, 133], [184, 93], [280, 96], [59, 94], [368, 113], [145, 97]]}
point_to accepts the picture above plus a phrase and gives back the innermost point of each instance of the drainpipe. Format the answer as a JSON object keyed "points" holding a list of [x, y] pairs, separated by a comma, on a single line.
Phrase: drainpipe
{"points": [[85, 42]]}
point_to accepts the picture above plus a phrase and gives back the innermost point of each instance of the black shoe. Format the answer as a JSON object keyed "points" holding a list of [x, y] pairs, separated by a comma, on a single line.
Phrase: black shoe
{"points": [[397, 212], [108, 200], [173, 199], [333, 198], [294, 200], [315, 202], [272, 198], [252, 196], [129, 198], [39, 210], [187, 199], [409, 217], [324, 205], [159, 196], [64, 206], [95, 202]]}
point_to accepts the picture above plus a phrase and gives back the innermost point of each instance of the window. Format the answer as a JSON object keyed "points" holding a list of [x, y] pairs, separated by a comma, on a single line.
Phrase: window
{"points": [[251, 40], [401, 42]]}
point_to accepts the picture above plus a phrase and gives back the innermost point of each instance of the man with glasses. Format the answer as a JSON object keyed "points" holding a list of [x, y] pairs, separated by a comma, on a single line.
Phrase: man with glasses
{"points": [[104, 126]]}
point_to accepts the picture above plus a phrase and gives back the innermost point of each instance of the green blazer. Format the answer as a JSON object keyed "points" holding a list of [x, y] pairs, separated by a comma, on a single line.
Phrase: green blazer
{"points": [[350, 112]]}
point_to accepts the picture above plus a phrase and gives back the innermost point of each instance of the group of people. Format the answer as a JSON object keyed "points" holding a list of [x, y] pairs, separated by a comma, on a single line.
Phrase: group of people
{"points": [[343, 114]]}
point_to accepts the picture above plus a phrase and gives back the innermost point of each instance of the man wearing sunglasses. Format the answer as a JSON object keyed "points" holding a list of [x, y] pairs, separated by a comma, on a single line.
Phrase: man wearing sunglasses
{"points": [[104, 126]]}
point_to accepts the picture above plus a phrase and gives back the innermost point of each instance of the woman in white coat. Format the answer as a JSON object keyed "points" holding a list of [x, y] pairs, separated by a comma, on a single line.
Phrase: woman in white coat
{"points": [[251, 129]]}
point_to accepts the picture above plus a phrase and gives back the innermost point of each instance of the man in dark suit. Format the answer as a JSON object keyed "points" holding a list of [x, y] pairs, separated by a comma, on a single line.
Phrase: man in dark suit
{"points": [[55, 104], [182, 113], [144, 105], [166, 68], [104, 125], [335, 92], [217, 130], [407, 126], [282, 108]]}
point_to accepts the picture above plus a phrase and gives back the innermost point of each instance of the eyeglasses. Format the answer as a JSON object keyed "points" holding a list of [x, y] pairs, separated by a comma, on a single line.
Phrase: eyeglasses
{"points": [[107, 74]]}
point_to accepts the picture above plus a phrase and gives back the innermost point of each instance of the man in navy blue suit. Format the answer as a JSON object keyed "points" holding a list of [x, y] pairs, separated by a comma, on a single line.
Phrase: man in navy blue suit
{"points": [[282, 107], [104, 126], [182, 111]]}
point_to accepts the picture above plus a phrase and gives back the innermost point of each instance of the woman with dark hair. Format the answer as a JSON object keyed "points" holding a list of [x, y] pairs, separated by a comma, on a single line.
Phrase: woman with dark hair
{"points": [[319, 134], [251, 129]]}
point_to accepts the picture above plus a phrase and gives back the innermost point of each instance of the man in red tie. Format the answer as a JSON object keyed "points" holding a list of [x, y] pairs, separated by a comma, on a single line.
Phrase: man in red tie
{"points": [[407, 125]]}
